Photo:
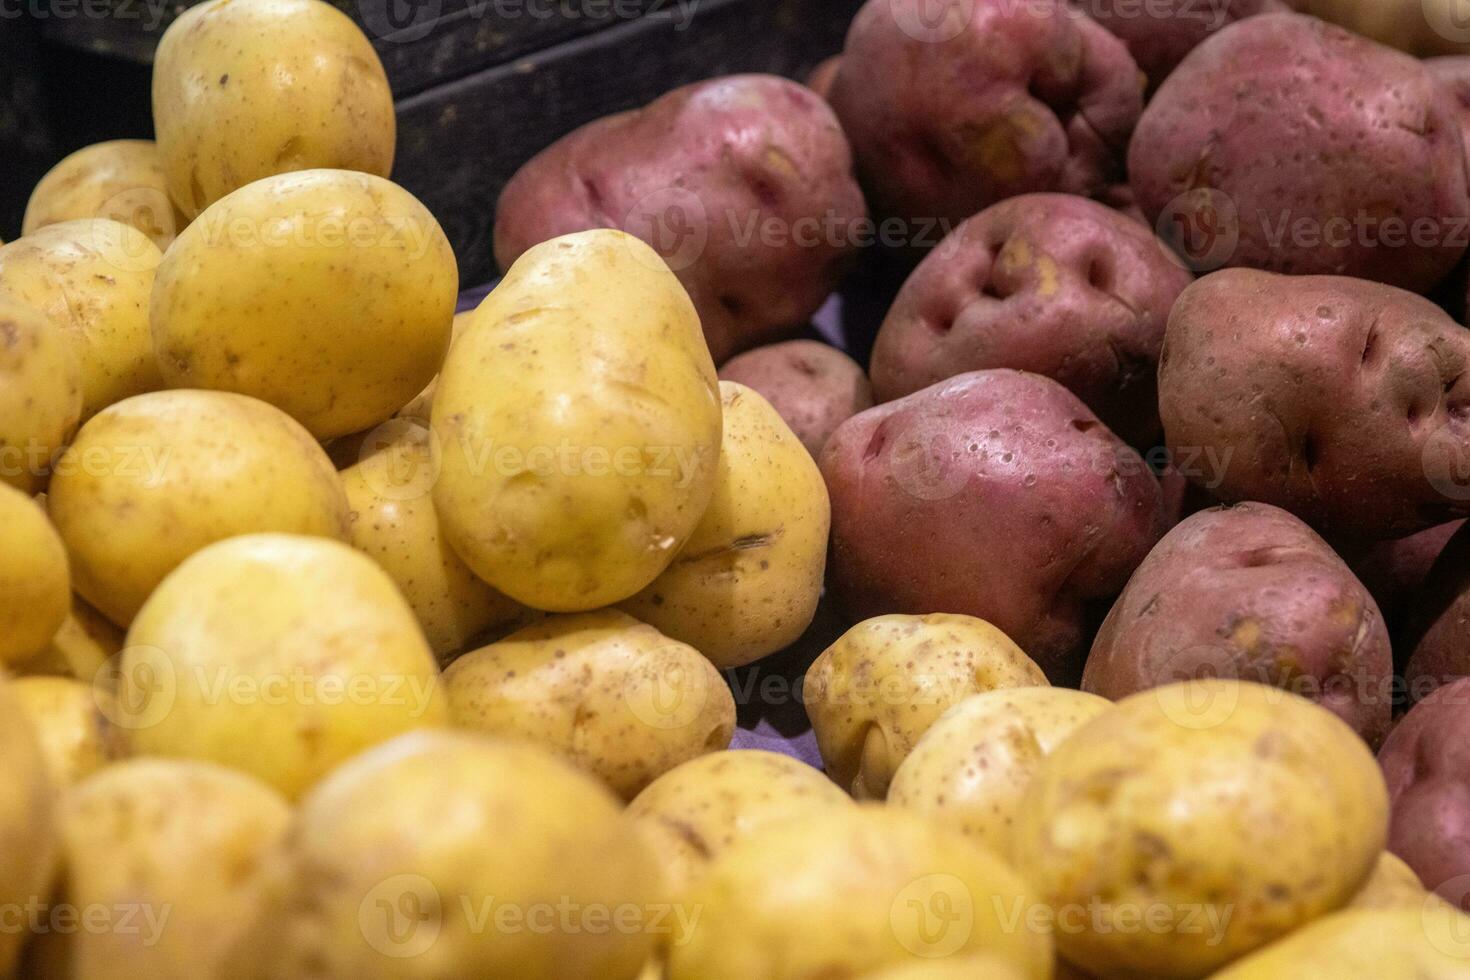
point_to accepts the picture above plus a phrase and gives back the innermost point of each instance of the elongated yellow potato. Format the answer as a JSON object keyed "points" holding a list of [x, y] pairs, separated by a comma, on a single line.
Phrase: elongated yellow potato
{"points": [[579, 421], [119, 179]]}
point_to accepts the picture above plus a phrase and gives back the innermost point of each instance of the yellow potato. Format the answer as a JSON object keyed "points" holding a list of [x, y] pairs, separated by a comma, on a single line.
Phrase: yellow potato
{"points": [[167, 853], [445, 854], [1393, 884], [92, 278], [858, 890], [40, 394], [611, 694], [579, 420], [970, 769], [1190, 824], [119, 179], [393, 520], [277, 654], [698, 810], [747, 581], [35, 585], [874, 692], [327, 293], [83, 645], [155, 478], [1432, 943], [246, 89], [422, 404], [966, 968], [28, 834], [71, 726], [1420, 27]]}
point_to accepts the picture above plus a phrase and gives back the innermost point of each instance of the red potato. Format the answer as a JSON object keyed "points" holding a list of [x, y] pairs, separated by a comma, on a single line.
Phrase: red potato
{"points": [[821, 78], [1439, 622], [1453, 72], [1343, 401], [1395, 570], [995, 494], [1426, 763], [812, 386], [743, 184], [1287, 144], [952, 107], [1048, 283], [1249, 592], [1159, 33]]}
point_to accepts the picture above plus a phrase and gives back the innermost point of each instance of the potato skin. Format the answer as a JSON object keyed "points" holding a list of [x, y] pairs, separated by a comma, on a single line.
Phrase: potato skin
{"points": [[699, 809], [146, 484], [1419, 27], [874, 693], [1160, 35], [243, 91], [1343, 401], [1286, 121], [119, 179], [1048, 283], [844, 896], [1426, 763], [356, 329], [747, 582], [35, 578], [1253, 593], [579, 421], [80, 648], [610, 694], [1200, 796], [1437, 633], [970, 769], [1393, 884], [1396, 570], [814, 386], [304, 643], [947, 118], [529, 832], [698, 173], [93, 279], [996, 494], [1453, 73], [40, 395], [28, 824], [72, 721], [1365, 944]]}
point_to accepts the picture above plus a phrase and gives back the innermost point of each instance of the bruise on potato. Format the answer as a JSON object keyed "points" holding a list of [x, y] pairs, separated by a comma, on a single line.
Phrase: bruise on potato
{"points": [[995, 494], [1049, 283], [1426, 762], [1249, 592], [743, 184], [1159, 35], [1306, 150], [813, 386], [949, 115], [1343, 401]]}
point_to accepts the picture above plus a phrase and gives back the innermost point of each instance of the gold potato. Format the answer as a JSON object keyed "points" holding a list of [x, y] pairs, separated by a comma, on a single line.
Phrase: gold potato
{"points": [[327, 293], [246, 89], [747, 581], [970, 769], [277, 654], [28, 809], [966, 968], [35, 583], [70, 718], [1223, 814], [40, 394], [176, 847], [120, 179], [610, 694], [874, 692], [392, 519], [92, 278], [579, 421], [1393, 884], [446, 854], [85, 643], [1432, 943], [861, 889], [699, 809], [153, 479]]}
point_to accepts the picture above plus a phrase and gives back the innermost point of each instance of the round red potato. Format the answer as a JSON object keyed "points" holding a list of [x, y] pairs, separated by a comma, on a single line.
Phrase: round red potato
{"points": [[1287, 144], [1343, 401], [743, 184], [952, 107], [1049, 283], [1439, 621], [1395, 570], [821, 78], [1453, 72], [995, 494], [1159, 33], [1249, 592], [813, 387], [1426, 762]]}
